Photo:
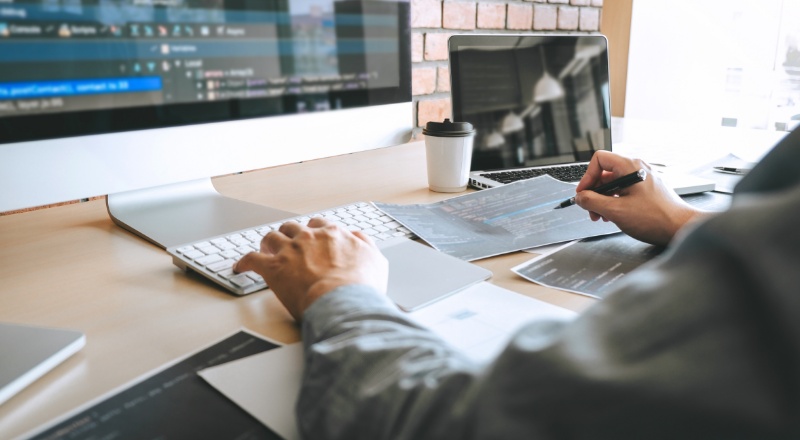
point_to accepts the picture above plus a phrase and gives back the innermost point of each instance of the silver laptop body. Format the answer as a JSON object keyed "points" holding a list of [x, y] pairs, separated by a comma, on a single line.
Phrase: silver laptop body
{"points": [[28, 352]]}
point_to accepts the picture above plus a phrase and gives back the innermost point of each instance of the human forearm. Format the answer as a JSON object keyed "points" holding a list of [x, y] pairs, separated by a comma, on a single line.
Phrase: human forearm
{"points": [[370, 373]]}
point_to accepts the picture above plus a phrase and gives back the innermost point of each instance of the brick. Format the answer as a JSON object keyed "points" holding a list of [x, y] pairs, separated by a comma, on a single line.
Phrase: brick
{"points": [[590, 19], [568, 17], [597, 3], [423, 80], [579, 2], [491, 15], [459, 15], [435, 110], [436, 46], [417, 46], [520, 16], [443, 79], [545, 17], [426, 14], [563, 2]]}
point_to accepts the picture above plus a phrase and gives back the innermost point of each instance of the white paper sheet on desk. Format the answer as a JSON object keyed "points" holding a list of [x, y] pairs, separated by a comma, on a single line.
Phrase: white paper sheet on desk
{"points": [[478, 320]]}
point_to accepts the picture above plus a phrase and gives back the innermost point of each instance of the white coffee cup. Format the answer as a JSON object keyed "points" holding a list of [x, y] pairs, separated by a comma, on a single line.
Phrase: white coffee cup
{"points": [[448, 148]]}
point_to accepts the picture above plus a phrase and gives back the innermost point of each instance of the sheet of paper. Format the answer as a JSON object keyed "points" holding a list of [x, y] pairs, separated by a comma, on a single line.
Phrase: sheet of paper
{"points": [[548, 248], [265, 385], [478, 320], [496, 221], [593, 266], [590, 266]]}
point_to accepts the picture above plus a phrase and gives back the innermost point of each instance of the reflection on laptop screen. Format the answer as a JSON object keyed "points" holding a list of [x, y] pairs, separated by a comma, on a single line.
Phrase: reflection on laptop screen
{"points": [[534, 100]]}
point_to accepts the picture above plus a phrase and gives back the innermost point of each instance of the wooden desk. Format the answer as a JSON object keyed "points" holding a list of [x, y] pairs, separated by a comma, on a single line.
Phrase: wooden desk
{"points": [[71, 267]]}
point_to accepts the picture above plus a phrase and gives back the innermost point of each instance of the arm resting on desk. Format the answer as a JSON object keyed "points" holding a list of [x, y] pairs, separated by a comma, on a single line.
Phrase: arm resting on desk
{"points": [[701, 344]]}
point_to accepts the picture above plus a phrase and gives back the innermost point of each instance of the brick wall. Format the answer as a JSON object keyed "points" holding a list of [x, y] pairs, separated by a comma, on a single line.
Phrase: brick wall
{"points": [[433, 21]]}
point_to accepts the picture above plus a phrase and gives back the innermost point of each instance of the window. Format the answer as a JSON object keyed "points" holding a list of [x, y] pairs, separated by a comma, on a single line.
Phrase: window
{"points": [[722, 62]]}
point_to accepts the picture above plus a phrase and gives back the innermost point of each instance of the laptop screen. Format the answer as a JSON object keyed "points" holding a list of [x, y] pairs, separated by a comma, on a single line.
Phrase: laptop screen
{"points": [[533, 99]]}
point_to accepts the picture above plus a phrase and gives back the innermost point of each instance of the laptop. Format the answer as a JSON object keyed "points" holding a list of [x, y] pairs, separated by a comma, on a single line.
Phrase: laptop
{"points": [[540, 104], [28, 353]]}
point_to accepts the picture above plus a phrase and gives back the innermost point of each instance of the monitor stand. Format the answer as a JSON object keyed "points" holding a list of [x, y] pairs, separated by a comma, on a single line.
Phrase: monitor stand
{"points": [[180, 213]]}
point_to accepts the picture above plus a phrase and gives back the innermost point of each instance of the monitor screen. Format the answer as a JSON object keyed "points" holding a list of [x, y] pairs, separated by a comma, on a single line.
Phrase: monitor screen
{"points": [[533, 99], [99, 66], [109, 96]]}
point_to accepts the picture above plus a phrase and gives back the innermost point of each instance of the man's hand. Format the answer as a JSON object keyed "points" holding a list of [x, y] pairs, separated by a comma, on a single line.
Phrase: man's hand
{"points": [[302, 263], [648, 211]]}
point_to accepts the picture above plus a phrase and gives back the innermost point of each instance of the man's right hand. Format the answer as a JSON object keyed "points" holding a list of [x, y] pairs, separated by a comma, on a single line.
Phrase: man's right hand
{"points": [[648, 211], [302, 263]]}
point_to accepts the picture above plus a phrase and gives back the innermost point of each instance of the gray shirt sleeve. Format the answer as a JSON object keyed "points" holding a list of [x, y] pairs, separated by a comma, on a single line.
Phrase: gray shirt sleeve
{"points": [[703, 342]]}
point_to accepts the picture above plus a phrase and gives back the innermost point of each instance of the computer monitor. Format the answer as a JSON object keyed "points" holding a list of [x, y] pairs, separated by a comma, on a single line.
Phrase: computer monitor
{"points": [[145, 100]]}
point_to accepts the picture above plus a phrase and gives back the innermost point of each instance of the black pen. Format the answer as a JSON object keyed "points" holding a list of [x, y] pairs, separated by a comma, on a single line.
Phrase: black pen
{"points": [[732, 170], [611, 187]]}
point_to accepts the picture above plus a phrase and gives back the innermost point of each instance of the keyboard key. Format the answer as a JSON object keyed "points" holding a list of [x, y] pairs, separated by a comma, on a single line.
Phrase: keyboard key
{"points": [[210, 250], [209, 259], [193, 254], [226, 273], [226, 245], [241, 280], [244, 250], [230, 254], [254, 276], [222, 265], [240, 241]]}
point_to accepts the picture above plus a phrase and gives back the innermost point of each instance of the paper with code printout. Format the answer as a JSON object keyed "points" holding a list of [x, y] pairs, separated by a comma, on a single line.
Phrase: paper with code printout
{"points": [[170, 403], [500, 220], [589, 266], [593, 266]]}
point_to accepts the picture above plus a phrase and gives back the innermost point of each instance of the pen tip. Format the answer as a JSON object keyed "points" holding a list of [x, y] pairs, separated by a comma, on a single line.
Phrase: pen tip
{"points": [[557, 207]]}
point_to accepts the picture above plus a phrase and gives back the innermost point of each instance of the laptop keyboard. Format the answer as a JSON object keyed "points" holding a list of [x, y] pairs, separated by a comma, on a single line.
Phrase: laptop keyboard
{"points": [[214, 257], [568, 173]]}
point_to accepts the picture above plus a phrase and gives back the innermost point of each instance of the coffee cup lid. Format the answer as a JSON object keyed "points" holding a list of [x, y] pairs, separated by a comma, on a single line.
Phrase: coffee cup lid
{"points": [[448, 129]]}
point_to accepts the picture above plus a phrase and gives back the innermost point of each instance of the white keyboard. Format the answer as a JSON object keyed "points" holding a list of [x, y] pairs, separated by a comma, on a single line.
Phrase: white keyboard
{"points": [[214, 257]]}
